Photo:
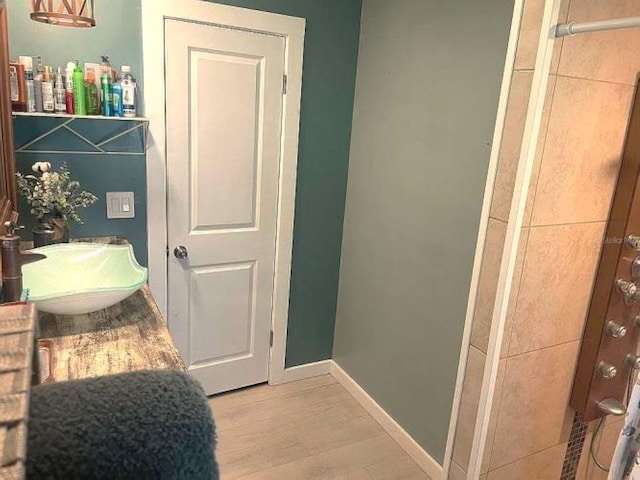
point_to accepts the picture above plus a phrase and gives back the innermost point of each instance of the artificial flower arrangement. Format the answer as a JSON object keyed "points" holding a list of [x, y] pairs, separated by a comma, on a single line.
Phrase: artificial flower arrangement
{"points": [[53, 193]]}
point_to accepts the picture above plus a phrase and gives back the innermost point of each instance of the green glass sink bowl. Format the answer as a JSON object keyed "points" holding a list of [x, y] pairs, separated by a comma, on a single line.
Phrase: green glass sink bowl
{"points": [[78, 278]]}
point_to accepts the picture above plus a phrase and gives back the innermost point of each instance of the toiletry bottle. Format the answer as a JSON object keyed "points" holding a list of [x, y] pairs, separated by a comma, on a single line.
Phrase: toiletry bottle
{"points": [[28, 75], [107, 68], [107, 94], [117, 98], [92, 97], [48, 104], [79, 105], [59, 93], [37, 85], [18, 84], [128, 92], [68, 86]]}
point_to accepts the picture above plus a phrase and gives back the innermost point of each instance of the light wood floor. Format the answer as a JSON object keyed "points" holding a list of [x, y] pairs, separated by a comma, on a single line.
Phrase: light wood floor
{"points": [[311, 429]]}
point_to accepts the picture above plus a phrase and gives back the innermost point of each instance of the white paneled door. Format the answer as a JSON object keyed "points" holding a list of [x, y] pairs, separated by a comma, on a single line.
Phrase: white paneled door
{"points": [[224, 93]]}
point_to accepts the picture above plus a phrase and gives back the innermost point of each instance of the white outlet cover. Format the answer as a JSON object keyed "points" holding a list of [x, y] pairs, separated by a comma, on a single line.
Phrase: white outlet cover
{"points": [[120, 205]]}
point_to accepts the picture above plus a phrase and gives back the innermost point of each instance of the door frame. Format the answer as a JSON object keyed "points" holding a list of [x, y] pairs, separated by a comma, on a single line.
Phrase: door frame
{"points": [[292, 29]]}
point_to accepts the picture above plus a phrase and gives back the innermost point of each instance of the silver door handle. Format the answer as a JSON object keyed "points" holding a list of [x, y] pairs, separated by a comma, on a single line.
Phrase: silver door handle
{"points": [[181, 251]]}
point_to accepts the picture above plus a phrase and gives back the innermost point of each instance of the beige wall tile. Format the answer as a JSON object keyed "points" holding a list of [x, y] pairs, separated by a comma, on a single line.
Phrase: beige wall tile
{"points": [[488, 283], [557, 279], [529, 34], [468, 407], [544, 464], [542, 137], [559, 42], [535, 394], [610, 56], [456, 472], [515, 288], [582, 151], [493, 419], [510, 146]]}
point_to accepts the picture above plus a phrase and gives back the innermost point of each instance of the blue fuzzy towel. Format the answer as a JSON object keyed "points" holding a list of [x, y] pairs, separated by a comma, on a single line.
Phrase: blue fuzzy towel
{"points": [[137, 425]]}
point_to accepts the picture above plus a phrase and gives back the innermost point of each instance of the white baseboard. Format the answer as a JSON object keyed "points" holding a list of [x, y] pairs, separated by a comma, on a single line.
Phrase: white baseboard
{"points": [[432, 468], [308, 370]]}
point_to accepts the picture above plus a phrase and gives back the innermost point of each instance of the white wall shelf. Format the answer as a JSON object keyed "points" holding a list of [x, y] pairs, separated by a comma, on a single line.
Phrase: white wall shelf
{"points": [[66, 115]]}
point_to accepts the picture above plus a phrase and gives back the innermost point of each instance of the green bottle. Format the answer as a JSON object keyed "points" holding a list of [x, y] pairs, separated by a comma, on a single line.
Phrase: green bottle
{"points": [[92, 97], [79, 102]]}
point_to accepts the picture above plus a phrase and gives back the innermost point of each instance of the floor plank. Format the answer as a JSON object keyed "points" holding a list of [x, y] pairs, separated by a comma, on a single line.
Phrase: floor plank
{"points": [[307, 430]]}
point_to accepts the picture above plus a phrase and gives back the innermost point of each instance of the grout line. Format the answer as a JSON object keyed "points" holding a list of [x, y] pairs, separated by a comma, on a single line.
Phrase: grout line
{"points": [[544, 348], [608, 82], [569, 224], [491, 217], [526, 456]]}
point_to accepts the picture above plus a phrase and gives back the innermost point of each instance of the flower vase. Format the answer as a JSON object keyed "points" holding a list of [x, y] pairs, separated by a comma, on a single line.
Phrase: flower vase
{"points": [[51, 229]]}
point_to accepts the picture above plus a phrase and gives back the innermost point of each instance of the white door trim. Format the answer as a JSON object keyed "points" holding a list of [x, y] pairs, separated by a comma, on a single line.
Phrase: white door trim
{"points": [[292, 30]]}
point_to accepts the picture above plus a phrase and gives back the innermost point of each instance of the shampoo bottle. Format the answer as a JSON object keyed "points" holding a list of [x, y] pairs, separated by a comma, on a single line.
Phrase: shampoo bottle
{"points": [[117, 99], [37, 85], [79, 105], [48, 104], [92, 98], [68, 87], [128, 92], [59, 93], [27, 62], [106, 94]]}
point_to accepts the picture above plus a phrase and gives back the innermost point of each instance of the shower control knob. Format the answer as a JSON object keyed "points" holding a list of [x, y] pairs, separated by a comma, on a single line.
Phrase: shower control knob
{"points": [[633, 242], [629, 290], [615, 329], [635, 267], [632, 360], [607, 370]]}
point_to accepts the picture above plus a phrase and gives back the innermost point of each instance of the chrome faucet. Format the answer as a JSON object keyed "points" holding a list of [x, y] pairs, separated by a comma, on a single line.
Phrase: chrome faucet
{"points": [[12, 261]]}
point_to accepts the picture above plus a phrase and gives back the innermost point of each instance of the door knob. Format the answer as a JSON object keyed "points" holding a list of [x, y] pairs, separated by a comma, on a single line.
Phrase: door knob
{"points": [[181, 251]]}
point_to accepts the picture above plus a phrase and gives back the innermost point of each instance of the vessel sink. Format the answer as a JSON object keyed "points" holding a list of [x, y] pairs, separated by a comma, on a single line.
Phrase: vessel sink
{"points": [[78, 278]]}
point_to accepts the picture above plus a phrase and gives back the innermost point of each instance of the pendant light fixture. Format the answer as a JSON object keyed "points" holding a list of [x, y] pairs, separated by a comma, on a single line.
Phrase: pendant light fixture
{"points": [[64, 13]]}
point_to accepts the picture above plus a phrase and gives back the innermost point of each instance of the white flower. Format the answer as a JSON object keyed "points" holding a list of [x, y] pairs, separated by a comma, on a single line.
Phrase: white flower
{"points": [[41, 167]]}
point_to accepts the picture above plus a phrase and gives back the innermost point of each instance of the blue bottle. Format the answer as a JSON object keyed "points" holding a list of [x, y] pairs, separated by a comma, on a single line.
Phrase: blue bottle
{"points": [[116, 92]]}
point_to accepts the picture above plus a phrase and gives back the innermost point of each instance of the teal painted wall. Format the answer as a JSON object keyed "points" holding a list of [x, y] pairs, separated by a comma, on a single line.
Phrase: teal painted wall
{"points": [[331, 47], [428, 82], [328, 80], [118, 35]]}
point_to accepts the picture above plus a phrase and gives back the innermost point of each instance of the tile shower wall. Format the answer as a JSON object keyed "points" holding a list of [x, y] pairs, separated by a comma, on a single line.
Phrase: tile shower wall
{"points": [[578, 156]]}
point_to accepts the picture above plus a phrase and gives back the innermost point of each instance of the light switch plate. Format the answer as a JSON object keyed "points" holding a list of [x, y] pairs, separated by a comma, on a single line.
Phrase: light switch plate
{"points": [[120, 205]]}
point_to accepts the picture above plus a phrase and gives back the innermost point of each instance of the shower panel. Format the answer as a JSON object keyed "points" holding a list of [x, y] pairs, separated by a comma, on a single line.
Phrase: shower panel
{"points": [[610, 340]]}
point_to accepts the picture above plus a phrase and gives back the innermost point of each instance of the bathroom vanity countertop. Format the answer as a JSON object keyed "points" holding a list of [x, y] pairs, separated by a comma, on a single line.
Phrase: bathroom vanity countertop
{"points": [[130, 335], [17, 324]]}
